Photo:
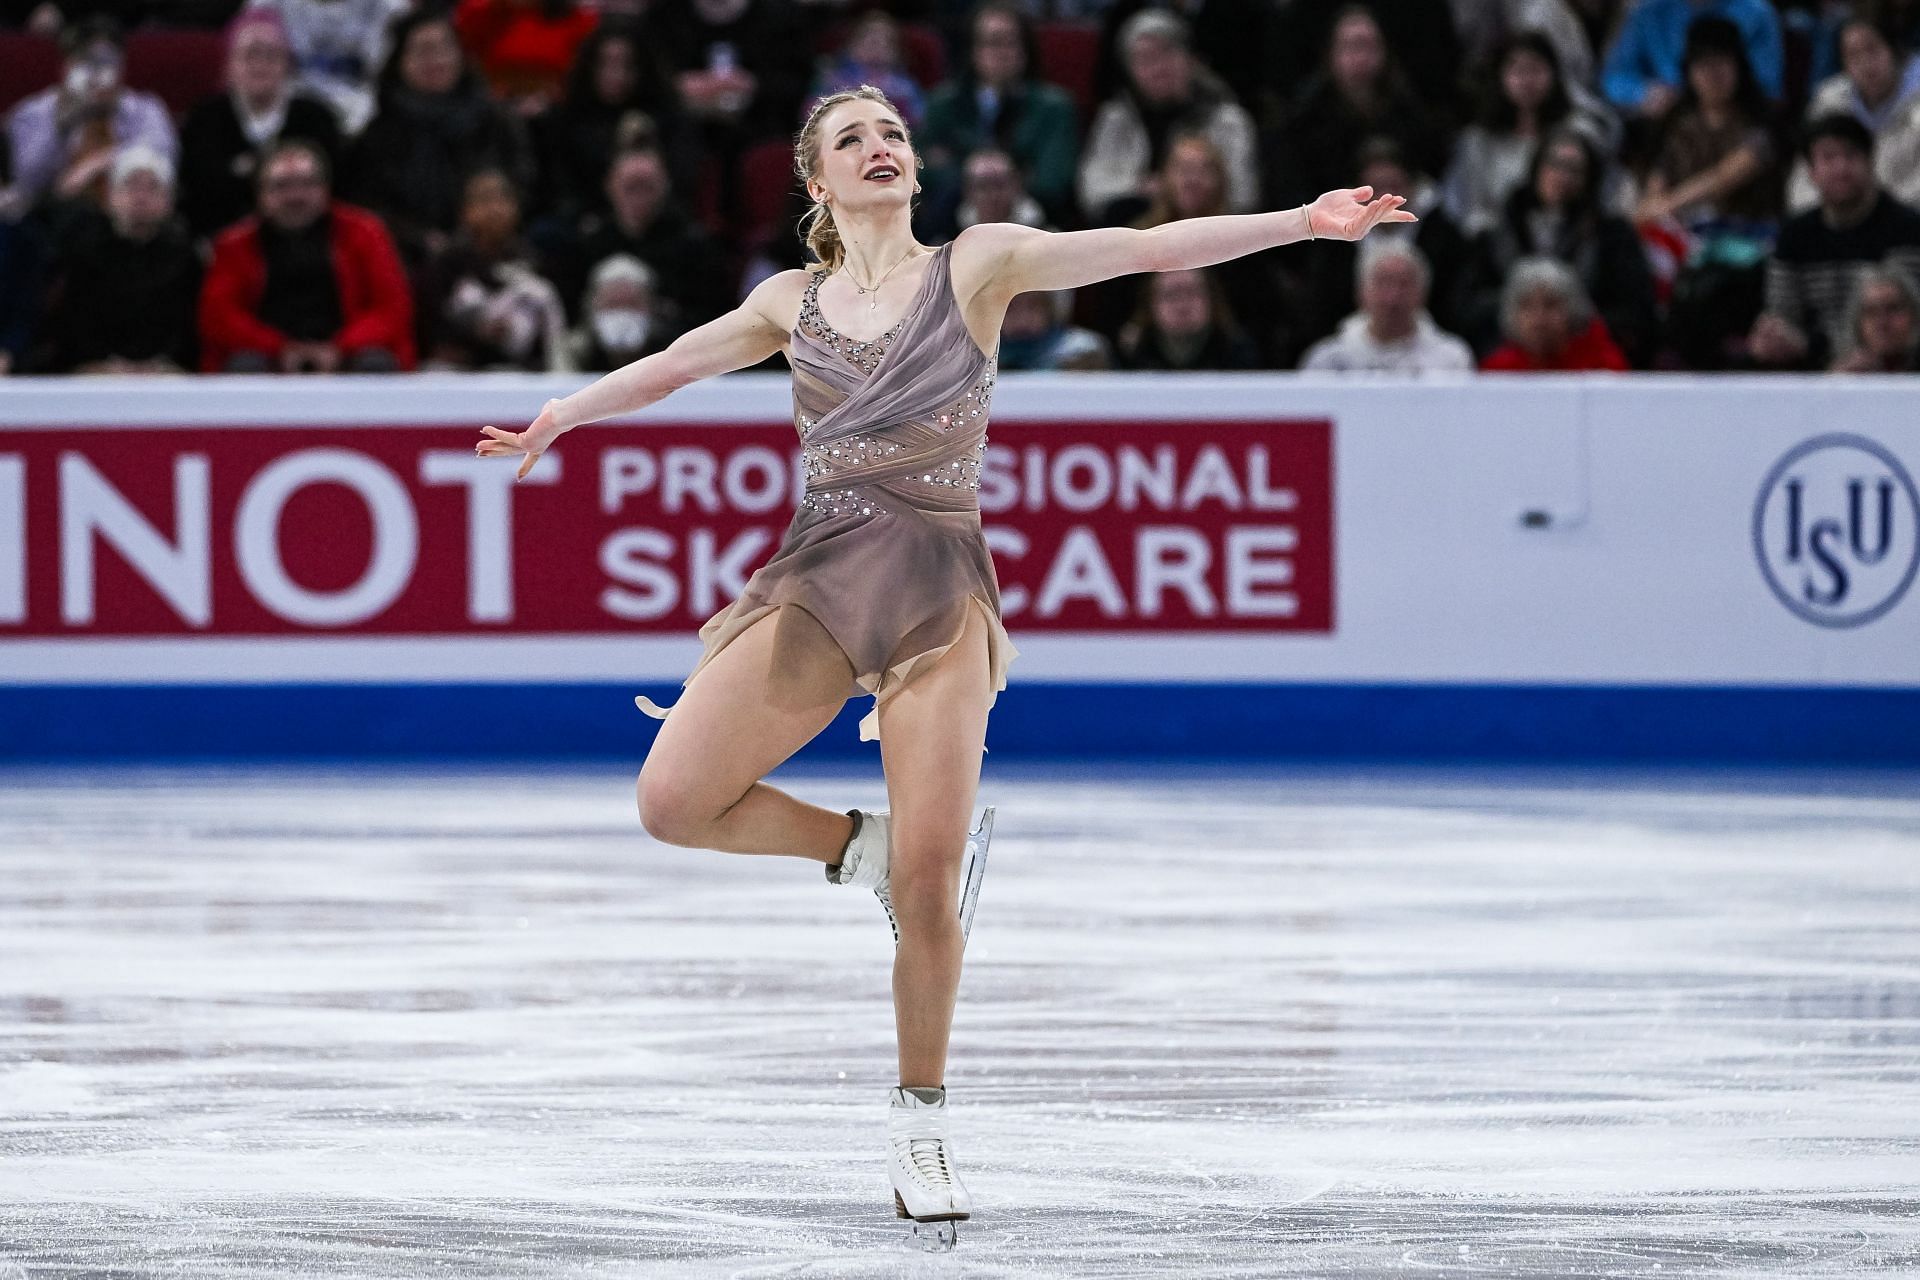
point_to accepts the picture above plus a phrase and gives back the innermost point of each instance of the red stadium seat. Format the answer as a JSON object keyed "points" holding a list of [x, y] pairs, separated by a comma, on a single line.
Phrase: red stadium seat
{"points": [[32, 63], [1069, 52], [182, 67], [766, 178]]}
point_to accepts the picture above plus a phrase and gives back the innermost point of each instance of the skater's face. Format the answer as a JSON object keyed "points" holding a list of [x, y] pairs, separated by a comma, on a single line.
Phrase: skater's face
{"points": [[865, 159]]}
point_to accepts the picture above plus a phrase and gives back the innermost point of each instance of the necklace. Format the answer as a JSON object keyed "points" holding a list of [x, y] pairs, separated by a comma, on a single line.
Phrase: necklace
{"points": [[874, 289]]}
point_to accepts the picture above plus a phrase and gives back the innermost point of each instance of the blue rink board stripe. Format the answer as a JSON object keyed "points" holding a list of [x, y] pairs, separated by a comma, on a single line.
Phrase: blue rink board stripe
{"points": [[1220, 721]]}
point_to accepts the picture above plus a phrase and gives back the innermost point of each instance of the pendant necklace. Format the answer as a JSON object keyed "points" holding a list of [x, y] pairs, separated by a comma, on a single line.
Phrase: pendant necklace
{"points": [[874, 289]]}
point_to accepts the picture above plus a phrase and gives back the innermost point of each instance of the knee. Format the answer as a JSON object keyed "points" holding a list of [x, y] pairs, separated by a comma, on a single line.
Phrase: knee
{"points": [[925, 890], [667, 813]]}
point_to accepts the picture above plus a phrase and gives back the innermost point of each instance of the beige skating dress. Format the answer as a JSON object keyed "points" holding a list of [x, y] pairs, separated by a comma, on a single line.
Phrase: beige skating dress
{"points": [[884, 555]]}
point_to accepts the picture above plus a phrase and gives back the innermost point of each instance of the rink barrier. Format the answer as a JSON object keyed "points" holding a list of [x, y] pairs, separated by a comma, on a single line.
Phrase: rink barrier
{"points": [[1646, 568]]}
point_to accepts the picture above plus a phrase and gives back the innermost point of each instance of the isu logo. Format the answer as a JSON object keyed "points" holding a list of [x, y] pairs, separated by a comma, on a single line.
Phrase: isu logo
{"points": [[1837, 530]]}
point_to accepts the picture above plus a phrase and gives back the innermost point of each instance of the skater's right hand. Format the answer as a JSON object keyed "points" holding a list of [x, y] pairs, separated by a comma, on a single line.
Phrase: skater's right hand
{"points": [[532, 442]]}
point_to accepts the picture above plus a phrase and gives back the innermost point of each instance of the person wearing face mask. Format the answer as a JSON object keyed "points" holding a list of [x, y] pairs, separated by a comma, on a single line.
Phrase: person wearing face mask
{"points": [[64, 139], [625, 319]]}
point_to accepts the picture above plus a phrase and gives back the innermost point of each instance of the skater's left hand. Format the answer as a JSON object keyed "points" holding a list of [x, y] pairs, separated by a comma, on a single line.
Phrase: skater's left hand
{"points": [[1350, 214]]}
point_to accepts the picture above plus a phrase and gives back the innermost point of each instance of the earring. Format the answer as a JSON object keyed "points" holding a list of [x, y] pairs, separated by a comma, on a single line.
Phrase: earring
{"points": [[916, 186]]}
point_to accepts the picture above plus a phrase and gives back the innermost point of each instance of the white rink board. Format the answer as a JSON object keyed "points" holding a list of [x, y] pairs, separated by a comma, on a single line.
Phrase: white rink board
{"points": [[1647, 572]]}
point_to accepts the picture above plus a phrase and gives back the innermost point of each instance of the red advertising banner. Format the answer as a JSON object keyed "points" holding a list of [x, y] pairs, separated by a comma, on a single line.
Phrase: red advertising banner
{"points": [[1108, 526]]}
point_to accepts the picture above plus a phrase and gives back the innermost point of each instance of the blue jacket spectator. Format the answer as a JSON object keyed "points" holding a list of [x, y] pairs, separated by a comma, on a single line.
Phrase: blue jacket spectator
{"points": [[1642, 73]]}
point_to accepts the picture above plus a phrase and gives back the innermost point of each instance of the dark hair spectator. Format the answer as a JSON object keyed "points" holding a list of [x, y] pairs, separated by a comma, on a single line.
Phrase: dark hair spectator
{"points": [[1716, 158], [1878, 85], [1183, 322], [1422, 34], [435, 124], [1234, 39], [125, 283], [1821, 253], [1643, 72], [1525, 96], [524, 49], [63, 139], [1359, 92], [1168, 93], [485, 304], [224, 135], [1883, 324], [614, 98], [1558, 213], [1549, 324], [998, 99], [871, 53], [1038, 334], [1487, 29], [643, 220], [339, 47], [309, 284]]}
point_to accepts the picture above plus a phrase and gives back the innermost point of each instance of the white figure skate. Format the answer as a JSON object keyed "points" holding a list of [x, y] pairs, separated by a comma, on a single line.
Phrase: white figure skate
{"points": [[865, 864], [920, 1163]]}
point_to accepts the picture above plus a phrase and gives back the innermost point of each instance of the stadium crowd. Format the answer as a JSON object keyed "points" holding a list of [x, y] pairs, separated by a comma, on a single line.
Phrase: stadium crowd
{"points": [[366, 185]]}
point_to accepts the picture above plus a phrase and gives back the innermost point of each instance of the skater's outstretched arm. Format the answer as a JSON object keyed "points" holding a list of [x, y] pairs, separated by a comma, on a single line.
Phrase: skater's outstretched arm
{"points": [[737, 340], [1016, 259]]}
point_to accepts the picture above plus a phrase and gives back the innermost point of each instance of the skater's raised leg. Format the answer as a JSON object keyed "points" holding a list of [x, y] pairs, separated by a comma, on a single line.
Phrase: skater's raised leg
{"points": [[735, 723]]}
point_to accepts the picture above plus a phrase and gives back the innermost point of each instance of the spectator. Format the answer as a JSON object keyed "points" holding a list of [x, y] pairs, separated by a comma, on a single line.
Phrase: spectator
{"points": [[1392, 332], [614, 98], [435, 125], [338, 49], [1167, 93], [1360, 92], [1184, 323], [1558, 213], [1526, 98], [625, 319], [1231, 38], [648, 224], [126, 281], [1422, 34], [1880, 85], [524, 47], [1488, 29], [1883, 324], [1036, 334], [1823, 252], [1550, 325], [308, 285], [992, 192], [1715, 163], [223, 137], [872, 55], [23, 267], [63, 139], [485, 305], [739, 69], [1643, 68], [998, 100]]}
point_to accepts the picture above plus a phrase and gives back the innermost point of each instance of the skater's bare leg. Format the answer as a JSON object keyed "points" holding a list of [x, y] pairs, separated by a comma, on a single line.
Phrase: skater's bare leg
{"points": [[931, 737], [700, 786]]}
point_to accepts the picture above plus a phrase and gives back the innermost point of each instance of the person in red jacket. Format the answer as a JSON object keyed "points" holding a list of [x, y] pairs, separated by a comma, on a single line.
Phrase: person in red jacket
{"points": [[308, 285], [1550, 324]]}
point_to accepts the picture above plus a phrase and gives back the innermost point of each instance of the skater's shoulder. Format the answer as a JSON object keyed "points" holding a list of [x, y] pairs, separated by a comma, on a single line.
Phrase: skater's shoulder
{"points": [[778, 297]]}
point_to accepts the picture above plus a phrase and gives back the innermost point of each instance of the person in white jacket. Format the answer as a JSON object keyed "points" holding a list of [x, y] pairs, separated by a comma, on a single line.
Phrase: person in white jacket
{"points": [[1879, 85], [1391, 332], [1169, 93]]}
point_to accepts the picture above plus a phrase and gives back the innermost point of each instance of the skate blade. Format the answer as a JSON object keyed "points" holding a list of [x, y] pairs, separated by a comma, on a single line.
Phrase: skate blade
{"points": [[976, 870], [935, 1233]]}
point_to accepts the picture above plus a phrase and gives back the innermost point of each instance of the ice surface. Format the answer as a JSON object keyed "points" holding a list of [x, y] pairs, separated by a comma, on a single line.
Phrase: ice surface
{"points": [[1238, 1023]]}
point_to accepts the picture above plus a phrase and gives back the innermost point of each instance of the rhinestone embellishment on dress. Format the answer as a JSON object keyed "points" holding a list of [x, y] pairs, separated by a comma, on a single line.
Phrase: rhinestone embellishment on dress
{"points": [[867, 355]]}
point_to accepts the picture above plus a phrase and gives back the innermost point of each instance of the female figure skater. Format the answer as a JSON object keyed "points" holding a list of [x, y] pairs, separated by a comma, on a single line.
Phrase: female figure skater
{"points": [[883, 583]]}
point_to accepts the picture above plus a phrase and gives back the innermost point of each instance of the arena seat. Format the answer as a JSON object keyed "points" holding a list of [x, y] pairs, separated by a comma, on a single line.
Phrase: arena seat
{"points": [[182, 67], [1069, 52], [766, 178], [32, 63]]}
